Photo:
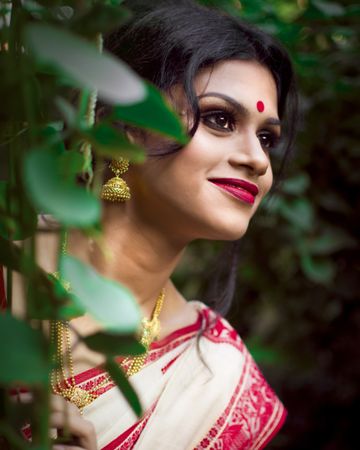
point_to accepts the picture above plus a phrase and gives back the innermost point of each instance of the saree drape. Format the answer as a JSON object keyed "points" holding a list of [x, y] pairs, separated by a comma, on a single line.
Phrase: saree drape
{"points": [[200, 389]]}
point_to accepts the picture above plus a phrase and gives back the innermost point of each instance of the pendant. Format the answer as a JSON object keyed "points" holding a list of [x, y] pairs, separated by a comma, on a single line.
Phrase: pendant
{"points": [[150, 331], [79, 397]]}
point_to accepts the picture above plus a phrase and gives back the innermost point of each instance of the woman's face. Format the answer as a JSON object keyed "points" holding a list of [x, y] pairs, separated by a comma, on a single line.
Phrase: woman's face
{"points": [[212, 187]]}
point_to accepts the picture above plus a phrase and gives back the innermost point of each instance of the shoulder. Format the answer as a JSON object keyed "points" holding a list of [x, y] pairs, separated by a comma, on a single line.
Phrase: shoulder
{"points": [[218, 330], [253, 413], [222, 342]]}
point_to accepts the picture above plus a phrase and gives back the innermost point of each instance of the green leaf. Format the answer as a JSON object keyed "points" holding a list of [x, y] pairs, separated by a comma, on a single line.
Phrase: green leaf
{"points": [[262, 353], [45, 295], [51, 193], [353, 10], [331, 241], [322, 10], [152, 113], [70, 164], [100, 19], [67, 111], [11, 255], [319, 270], [70, 311], [114, 81], [43, 301], [114, 344], [111, 304], [22, 353], [121, 381], [18, 219], [329, 9], [299, 212], [49, 299], [296, 185], [109, 142]]}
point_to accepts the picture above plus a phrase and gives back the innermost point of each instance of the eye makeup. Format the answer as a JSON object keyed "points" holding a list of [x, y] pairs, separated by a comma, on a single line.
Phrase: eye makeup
{"points": [[219, 117], [224, 114], [240, 108], [268, 139]]}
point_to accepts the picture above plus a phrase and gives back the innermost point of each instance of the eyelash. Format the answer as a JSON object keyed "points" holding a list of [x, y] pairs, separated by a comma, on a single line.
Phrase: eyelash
{"points": [[228, 115], [272, 139]]}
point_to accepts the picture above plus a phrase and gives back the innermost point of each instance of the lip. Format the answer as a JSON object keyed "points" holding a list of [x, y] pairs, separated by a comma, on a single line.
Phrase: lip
{"points": [[241, 189]]}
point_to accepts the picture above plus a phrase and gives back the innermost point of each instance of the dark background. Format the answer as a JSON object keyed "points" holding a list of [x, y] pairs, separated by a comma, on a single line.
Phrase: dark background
{"points": [[297, 300]]}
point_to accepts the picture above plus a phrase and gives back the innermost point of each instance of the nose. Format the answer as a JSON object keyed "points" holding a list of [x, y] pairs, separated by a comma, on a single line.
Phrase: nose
{"points": [[249, 153]]}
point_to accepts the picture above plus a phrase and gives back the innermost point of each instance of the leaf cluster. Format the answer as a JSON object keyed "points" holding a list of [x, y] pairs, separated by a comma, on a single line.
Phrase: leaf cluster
{"points": [[50, 51]]}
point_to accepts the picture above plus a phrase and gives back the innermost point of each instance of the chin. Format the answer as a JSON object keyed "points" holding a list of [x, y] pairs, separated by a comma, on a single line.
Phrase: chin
{"points": [[234, 236], [231, 232]]}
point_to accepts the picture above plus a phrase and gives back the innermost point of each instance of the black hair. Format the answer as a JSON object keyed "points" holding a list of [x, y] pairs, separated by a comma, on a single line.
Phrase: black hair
{"points": [[170, 42]]}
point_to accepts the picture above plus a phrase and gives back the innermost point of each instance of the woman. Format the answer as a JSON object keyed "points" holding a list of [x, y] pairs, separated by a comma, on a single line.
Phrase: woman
{"points": [[199, 387]]}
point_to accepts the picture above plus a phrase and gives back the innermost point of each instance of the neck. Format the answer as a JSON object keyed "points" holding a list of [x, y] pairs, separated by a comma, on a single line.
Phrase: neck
{"points": [[136, 255]]}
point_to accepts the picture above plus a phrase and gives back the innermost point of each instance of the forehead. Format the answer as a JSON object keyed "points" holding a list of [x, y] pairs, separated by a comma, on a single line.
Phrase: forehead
{"points": [[244, 81]]}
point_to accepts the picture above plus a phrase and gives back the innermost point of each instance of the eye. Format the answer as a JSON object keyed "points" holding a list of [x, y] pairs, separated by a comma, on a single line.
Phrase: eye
{"points": [[268, 139], [219, 120]]}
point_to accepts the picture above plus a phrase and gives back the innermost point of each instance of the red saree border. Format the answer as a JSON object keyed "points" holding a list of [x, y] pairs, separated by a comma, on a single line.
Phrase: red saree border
{"points": [[128, 438], [181, 332], [157, 350], [219, 331], [217, 429], [278, 425], [253, 405]]}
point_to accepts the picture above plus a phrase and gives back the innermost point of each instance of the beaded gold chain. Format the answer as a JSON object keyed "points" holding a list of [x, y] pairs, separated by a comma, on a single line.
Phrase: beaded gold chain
{"points": [[60, 335], [61, 338]]}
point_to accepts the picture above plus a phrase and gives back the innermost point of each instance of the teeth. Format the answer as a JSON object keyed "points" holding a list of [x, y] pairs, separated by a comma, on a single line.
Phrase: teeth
{"points": [[234, 186], [238, 187], [228, 185]]}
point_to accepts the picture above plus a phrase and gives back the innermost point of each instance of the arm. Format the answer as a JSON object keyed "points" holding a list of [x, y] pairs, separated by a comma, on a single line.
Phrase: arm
{"points": [[81, 432]]}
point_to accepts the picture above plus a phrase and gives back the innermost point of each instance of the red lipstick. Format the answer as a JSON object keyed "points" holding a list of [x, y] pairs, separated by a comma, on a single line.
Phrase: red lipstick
{"points": [[241, 189]]}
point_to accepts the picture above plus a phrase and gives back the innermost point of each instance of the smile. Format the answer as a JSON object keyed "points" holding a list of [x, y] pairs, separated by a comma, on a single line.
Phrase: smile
{"points": [[240, 189]]}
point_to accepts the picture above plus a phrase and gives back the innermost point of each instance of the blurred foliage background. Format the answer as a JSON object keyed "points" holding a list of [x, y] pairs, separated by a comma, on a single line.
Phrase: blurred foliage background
{"points": [[297, 297], [297, 301]]}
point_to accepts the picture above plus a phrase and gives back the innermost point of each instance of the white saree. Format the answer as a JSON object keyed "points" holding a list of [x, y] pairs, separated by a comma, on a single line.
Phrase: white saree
{"points": [[220, 402]]}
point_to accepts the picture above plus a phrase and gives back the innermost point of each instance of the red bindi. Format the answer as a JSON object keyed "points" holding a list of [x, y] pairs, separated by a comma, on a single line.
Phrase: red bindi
{"points": [[260, 106]]}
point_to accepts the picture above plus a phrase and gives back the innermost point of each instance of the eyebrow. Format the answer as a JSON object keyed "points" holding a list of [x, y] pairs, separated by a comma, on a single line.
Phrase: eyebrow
{"points": [[241, 109]]}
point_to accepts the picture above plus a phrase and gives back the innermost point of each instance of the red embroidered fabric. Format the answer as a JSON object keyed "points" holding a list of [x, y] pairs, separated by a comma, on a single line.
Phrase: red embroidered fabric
{"points": [[254, 414]]}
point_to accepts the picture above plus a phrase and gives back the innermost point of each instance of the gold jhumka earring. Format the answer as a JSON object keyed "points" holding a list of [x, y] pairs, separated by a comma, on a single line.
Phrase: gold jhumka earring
{"points": [[116, 189]]}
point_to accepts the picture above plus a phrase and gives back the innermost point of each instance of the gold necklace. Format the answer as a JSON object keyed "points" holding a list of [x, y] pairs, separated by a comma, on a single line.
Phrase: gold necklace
{"points": [[61, 338], [150, 330]]}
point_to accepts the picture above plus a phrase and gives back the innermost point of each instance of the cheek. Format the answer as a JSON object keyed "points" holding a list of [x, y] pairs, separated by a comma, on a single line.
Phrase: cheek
{"points": [[193, 161], [202, 153]]}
